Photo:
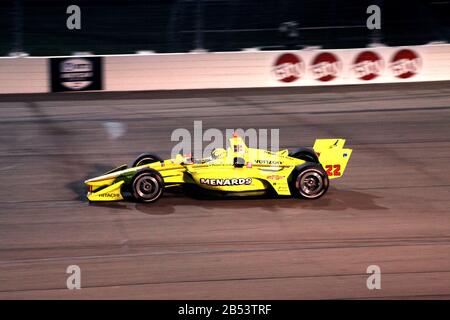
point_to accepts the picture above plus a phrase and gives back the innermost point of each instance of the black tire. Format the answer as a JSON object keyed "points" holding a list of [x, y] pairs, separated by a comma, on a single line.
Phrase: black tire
{"points": [[309, 181], [147, 186], [145, 158], [306, 154]]}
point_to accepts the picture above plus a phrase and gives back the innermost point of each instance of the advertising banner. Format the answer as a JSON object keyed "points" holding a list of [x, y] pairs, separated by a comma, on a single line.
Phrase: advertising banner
{"points": [[76, 74]]}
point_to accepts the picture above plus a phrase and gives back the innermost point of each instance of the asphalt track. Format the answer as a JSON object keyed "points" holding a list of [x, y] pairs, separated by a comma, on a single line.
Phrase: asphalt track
{"points": [[390, 209]]}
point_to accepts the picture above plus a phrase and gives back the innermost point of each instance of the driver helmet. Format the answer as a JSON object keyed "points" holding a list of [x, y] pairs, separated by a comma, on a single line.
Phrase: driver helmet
{"points": [[218, 153]]}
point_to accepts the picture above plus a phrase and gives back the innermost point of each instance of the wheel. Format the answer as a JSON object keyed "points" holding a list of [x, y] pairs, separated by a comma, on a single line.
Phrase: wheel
{"points": [[305, 154], [309, 181], [145, 158], [147, 186]]}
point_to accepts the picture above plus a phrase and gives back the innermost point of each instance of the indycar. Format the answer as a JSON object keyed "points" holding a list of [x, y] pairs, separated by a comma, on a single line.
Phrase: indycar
{"points": [[236, 170]]}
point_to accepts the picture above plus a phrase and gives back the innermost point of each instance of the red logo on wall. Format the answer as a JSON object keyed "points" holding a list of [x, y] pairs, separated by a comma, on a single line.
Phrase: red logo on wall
{"points": [[405, 64], [368, 65], [326, 66], [288, 67]]}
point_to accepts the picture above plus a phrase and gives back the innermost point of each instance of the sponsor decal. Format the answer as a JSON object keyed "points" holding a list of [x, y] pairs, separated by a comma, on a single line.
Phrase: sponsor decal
{"points": [[76, 74], [108, 195], [226, 182], [275, 177], [268, 162], [326, 66], [368, 65], [288, 68], [405, 64]]}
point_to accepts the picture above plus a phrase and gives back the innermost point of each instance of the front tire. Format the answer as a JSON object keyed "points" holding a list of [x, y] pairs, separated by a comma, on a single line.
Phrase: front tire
{"points": [[309, 182], [147, 186], [145, 158]]}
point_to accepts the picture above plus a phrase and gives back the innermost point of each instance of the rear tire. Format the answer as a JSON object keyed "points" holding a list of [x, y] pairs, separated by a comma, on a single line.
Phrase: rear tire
{"points": [[147, 186], [305, 154], [145, 158], [309, 181]]}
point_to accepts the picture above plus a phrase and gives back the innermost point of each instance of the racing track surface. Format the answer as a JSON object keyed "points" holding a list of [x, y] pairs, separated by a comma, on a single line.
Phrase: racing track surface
{"points": [[390, 209]]}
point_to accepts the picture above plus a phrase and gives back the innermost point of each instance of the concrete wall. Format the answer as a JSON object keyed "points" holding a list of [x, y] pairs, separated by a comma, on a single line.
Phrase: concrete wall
{"points": [[246, 69], [258, 69], [23, 75]]}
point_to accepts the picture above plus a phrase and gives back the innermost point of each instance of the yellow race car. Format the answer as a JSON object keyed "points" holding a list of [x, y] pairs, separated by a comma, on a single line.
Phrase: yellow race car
{"points": [[237, 170]]}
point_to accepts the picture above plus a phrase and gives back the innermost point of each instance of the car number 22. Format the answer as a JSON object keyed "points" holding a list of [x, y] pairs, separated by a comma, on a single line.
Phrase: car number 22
{"points": [[333, 170]]}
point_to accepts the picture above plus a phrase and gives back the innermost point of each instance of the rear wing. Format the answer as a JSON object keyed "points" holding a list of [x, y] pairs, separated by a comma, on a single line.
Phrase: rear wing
{"points": [[333, 156]]}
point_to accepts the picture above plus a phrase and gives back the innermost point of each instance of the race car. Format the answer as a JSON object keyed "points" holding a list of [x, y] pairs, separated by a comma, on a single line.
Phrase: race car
{"points": [[237, 170]]}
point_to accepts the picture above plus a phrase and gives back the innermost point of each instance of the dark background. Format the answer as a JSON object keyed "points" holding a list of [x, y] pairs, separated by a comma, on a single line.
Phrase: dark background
{"points": [[38, 27]]}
